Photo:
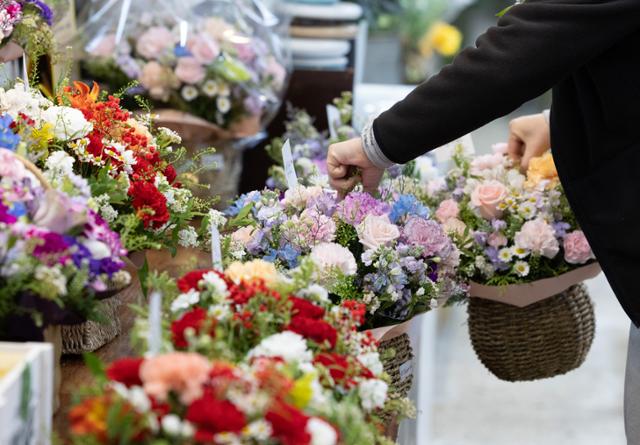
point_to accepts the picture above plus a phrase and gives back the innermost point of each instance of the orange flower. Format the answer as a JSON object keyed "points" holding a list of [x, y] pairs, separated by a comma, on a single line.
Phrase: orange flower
{"points": [[90, 418], [542, 169], [82, 97]]}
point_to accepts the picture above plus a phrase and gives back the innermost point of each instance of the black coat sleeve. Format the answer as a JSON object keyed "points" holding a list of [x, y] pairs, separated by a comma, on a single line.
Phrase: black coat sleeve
{"points": [[533, 47]]}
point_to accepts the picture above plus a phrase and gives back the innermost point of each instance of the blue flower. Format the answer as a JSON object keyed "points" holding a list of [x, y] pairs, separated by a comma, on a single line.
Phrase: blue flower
{"points": [[241, 203], [181, 51], [8, 139], [407, 205]]}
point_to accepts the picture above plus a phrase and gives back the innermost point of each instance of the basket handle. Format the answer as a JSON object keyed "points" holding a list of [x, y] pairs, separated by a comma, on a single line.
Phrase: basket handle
{"points": [[35, 171]]}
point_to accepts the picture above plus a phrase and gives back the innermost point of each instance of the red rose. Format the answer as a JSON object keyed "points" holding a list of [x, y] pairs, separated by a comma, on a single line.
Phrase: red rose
{"points": [[150, 204], [126, 371], [170, 173], [194, 319], [316, 330], [305, 308], [211, 416], [289, 424], [190, 280]]}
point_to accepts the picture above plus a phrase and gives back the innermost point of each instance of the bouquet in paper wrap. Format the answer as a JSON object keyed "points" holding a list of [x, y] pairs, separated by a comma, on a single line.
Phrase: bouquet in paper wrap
{"points": [[214, 61], [512, 228], [387, 253], [303, 374], [90, 146], [55, 251], [26, 23]]}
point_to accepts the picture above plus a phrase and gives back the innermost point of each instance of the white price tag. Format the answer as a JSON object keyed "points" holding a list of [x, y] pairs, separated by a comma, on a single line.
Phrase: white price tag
{"points": [[155, 323], [289, 167], [216, 248], [333, 118]]}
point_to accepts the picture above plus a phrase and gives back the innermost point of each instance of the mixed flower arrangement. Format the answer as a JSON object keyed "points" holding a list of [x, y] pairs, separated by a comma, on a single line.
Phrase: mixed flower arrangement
{"points": [[222, 72], [53, 248], [387, 253], [303, 373], [90, 146], [511, 227], [28, 24]]}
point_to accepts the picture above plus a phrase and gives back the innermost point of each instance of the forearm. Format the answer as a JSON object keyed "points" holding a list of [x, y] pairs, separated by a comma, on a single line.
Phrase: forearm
{"points": [[533, 47]]}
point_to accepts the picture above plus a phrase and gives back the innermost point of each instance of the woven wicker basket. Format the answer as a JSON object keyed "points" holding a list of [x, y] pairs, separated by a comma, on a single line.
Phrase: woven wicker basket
{"points": [[546, 339], [399, 367], [92, 335]]}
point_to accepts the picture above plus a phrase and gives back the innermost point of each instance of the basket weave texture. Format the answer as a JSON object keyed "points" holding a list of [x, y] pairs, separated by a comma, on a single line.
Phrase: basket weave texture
{"points": [[399, 366], [546, 339], [92, 335]]}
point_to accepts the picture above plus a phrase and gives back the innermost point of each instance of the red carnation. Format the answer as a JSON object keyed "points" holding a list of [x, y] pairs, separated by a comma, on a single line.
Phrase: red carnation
{"points": [[316, 330], [126, 371], [211, 416], [358, 310], [305, 308], [289, 424], [151, 205], [170, 173], [190, 280], [342, 369], [193, 319]]}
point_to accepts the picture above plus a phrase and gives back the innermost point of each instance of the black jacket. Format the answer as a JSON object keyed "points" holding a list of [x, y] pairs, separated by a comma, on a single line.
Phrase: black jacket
{"points": [[588, 51]]}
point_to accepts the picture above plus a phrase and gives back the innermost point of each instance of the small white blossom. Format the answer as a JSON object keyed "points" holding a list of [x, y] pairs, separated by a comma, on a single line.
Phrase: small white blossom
{"points": [[189, 93], [372, 361], [220, 312], [210, 88], [185, 301], [217, 218], [170, 135], [321, 432], [521, 268], [373, 393], [224, 104], [317, 291], [259, 430], [188, 237], [53, 277], [59, 163], [505, 254]]}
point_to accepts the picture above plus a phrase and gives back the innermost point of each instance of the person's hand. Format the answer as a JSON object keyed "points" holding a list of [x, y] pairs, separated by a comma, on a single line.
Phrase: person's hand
{"points": [[348, 164], [529, 138]]}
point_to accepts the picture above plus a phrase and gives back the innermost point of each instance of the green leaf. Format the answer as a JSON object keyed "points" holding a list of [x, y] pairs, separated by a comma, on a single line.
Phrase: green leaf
{"points": [[143, 274], [504, 11], [95, 365], [241, 218]]}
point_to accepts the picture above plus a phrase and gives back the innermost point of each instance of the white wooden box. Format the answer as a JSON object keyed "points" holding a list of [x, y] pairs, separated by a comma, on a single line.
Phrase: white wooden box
{"points": [[26, 393]]}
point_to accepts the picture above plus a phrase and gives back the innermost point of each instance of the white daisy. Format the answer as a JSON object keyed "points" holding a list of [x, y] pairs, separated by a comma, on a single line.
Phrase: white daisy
{"points": [[189, 93], [521, 268], [224, 104], [210, 88], [505, 254]]}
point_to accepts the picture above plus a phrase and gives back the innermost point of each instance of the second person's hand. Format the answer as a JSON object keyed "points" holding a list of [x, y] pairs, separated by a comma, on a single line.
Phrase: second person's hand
{"points": [[529, 138], [345, 157]]}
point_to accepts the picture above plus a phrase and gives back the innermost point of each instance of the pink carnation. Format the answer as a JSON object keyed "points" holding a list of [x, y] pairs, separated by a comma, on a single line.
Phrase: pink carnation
{"points": [[487, 162], [427, 234], [576, 248], [190, 70], [447, 210], [183, 373], [154, 42], [538, 237], [331, 256]]}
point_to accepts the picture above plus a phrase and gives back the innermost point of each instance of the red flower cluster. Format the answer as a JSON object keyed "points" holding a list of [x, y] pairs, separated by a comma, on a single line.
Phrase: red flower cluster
{"points": [[316, 330], [211, 416], [289, 424], [194, 319], [191, 280], [149, 203], [358, 310], [126, 371], [343, 370], [305, 308]]}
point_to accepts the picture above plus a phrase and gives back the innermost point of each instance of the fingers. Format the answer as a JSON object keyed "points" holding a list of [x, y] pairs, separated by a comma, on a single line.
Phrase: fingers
{"points": [[344, 185], [515, 147], [534, 149]]}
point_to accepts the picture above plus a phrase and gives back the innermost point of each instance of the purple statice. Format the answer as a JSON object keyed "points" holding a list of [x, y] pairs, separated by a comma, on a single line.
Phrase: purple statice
{"points": [[406, 206], [561, 228], [356, 206], [45, 11]]}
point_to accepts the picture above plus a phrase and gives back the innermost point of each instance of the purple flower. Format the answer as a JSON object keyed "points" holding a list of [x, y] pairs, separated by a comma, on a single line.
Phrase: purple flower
{"points": [[498, 225], [561, 228], [427, 234], [480, 238], [52, 243], [45, 10], [5, 216], [356, 206]]}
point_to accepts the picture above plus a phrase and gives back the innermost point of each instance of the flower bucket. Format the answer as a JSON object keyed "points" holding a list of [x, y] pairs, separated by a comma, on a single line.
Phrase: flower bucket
{"points": [[533, 331], [220, 171]]}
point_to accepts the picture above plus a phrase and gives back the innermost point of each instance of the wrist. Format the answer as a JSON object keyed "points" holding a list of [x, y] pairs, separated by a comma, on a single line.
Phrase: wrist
{"points": [[372, 150]]}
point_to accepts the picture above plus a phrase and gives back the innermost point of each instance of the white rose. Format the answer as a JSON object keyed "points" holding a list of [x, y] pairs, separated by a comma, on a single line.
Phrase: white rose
{"points": [[376, 231], [68, 123], [331, 256], [60, 163]]}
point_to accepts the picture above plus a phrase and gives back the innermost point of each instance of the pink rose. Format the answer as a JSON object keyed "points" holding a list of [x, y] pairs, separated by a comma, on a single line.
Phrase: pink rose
{"points": [[330, 256], [189, 70], [486, 162], [204, 49], [487, 197], [243, 235], [576, 248], [154, 42], [157, 80], [497, 240], [448, 209], [376, 231], [538, 237], [184, 373]]}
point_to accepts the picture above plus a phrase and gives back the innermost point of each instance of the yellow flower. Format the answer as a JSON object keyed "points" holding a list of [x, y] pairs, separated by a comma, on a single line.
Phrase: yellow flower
{"points": [[443, 38], [302, 391], [542, 169], [252, 271]]}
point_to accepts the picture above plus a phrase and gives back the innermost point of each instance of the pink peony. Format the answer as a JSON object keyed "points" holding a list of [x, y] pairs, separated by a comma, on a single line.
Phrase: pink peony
{"points": [[204, 49], [447, 210], [157, 80], [376, 231], [538, 237], [497, 240], [331, 256], [184, 373], [154, 42], [301, 196], [576, 248], [427, 234], [189, 70], [487, 197]]}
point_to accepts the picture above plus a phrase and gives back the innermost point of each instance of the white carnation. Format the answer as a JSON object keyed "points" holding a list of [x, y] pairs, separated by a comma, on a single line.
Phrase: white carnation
{"points": [[373, 393], [372, 361], [59, 163], [287, 345], [321, 432], [68, 123], [185, 301]]}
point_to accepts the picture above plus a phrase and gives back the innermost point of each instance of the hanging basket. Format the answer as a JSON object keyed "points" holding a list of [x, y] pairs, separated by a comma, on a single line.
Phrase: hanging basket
{"points": [[220, 171], [548, 336]]}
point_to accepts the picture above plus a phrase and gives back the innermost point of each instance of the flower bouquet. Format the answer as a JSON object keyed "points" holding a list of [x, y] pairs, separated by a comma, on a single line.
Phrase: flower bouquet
{"points": [[90, 146], [25, 25], [521, 246], [386, 253], [284, 335]]}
